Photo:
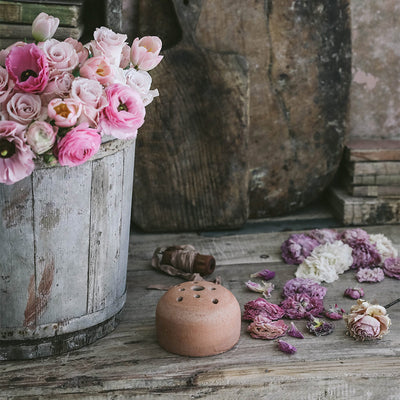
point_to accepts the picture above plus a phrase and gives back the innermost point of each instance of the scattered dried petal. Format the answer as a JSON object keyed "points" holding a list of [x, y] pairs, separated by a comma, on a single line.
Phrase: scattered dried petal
{"points": [[294, 332], [302, 306], [370, 275], [265, 288], [261, 306], [263, 328], [334, 312], [320, 327], [265, 274], [391, 267], [304, 285], [286, 347], [354, 293]]}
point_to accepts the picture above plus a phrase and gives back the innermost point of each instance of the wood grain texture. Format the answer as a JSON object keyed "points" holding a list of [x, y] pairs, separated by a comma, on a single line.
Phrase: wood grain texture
{"points": [[358, 149], [192, 169], [130, 364]]}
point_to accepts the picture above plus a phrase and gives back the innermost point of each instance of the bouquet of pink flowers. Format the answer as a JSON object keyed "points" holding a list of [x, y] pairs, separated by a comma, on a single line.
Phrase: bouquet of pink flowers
{"points": [[57, 98]]}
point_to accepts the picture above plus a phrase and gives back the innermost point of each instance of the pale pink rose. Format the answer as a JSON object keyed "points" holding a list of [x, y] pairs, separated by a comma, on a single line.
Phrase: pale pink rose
{"points": [[124, 114], [58, 86], [118, 75], [61, 56], [41, 136], [16, 158], [44, 26], [141, 81], [24, 107], [108, 44], [28, 67], [78, 146], [5, 52], [145, 52], [97, 68], [6, 86], [90, 116], [125, 57], [81, 50], [65, 113]]}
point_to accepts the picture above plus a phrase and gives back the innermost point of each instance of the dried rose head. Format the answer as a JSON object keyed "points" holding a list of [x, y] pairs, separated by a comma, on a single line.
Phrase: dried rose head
{"points": [[367, 321]]}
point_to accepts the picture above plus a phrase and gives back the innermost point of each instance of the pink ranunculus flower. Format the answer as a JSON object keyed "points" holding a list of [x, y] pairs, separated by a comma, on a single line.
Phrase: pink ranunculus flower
{"points": [[391, 267], [145, 52], [78, 146], [41, 136], [6, 86], [108, 44], [99, 69], [44, 27], [16, 158], [58, 86], [28, 67], [61, 56], [81, 50], [264, 328], [24, 107], [124, 114], [65, 113]]}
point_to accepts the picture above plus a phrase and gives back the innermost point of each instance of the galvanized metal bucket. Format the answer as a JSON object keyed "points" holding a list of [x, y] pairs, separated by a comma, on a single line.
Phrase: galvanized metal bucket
{"points": [[64, 237]]}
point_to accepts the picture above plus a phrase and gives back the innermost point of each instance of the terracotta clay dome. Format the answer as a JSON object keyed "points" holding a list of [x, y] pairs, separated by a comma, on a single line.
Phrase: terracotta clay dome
{"points": [[198, 319]]}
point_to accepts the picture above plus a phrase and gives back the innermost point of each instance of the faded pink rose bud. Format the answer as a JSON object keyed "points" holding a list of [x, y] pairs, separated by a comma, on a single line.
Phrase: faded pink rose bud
{"points": [[145, 52], [354, 293], [367, 321], [41, 136], [65, 113], [44, 26], [263, 328]]}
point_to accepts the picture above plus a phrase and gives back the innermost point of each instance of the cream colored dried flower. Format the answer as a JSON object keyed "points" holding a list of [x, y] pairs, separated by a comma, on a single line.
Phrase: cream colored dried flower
{"points": [[384, 246]]}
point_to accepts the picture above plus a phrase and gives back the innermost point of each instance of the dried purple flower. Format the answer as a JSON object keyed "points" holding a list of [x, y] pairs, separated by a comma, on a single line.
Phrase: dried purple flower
{"points": [[391, 267], [297, 247], [263, 328], [304, 285], [294, 332], [370, 275], [319, 327], [265, 274], [265, 288], [353, 236], [324, 235], [286, 347], [261, 306], [301, 305], [384, 246], [354, 293], [365, 254], [334, 312]]}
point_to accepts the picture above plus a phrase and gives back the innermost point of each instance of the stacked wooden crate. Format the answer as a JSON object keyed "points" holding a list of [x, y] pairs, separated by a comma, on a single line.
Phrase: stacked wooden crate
{"points": [[368, 186], [16, 18]]}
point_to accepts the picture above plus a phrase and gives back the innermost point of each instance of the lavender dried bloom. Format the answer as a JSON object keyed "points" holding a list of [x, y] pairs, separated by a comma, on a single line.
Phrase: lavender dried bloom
{"points": [[297, 247], [391, 267], [370, 275], [302, 306], [334, 312], [294, 332], [324, 235], [319, 327], [286, 347], [261, 306], [352, 236], [354, 293], [265, 288], [304, 285], [365, 255], [263, 328], [265, 274]]}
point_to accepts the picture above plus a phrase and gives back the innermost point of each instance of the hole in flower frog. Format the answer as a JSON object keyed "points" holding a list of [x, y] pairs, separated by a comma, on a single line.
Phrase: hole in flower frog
{"points": [[197, 288], [215, 301], [182, 289], [179, 298], [196, 296]]}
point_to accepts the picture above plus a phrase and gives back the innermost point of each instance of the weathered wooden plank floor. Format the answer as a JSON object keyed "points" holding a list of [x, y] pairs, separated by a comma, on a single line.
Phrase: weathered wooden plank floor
{"points": [[129, 363]]}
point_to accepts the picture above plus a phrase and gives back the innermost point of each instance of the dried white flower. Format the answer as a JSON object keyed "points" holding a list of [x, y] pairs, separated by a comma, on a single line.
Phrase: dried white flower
{"points": [[326, 262], [384, 245]]}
